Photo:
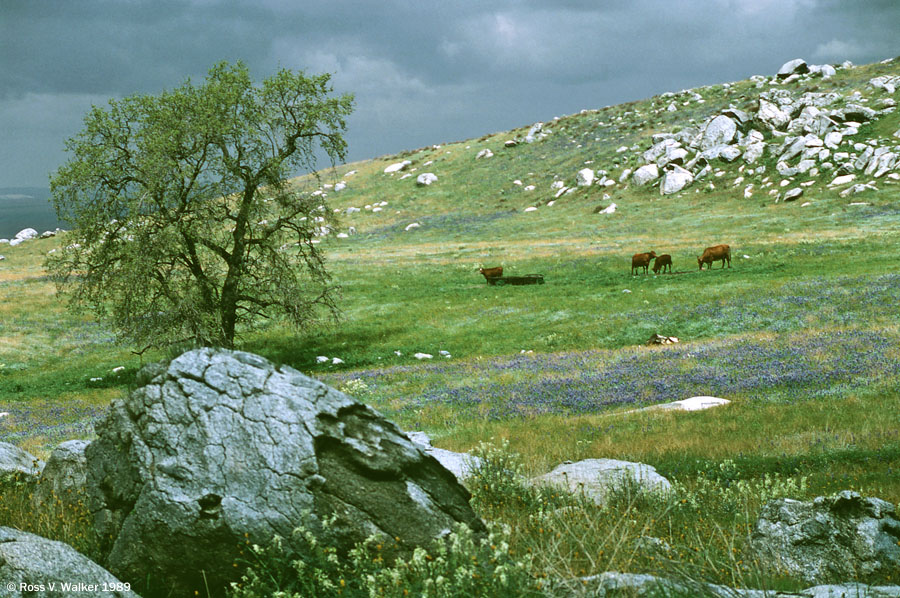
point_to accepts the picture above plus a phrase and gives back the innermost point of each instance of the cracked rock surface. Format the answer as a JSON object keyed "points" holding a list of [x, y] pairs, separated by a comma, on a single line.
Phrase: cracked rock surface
{"points": [[222, 447], [846, 536]]}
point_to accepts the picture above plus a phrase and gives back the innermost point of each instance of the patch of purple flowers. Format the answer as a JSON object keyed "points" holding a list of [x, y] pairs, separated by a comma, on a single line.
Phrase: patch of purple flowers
{"points": [[787, 368]]}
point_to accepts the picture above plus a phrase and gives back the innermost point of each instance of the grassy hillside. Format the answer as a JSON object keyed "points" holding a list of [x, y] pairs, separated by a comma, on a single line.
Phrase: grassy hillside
{"points": [[801, 333]]}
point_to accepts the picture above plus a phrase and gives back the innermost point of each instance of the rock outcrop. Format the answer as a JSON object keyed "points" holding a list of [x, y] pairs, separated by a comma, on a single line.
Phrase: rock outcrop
{"points": [[220, 447], [36, 567], [831, 538]]}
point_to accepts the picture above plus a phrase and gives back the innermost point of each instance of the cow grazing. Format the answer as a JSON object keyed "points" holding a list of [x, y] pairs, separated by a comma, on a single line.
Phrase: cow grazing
{"points": [[642, 260], [662, 262], [715, 254], [490, 273]]}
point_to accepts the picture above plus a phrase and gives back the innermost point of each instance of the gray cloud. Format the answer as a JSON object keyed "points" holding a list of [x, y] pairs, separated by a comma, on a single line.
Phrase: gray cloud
{"points": [[422, 72]]}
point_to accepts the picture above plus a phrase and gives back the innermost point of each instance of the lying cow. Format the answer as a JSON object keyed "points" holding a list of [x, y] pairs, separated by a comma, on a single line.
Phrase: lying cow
{"points": [[642, 260], [490, 273], [715, 254], [662, 262]]}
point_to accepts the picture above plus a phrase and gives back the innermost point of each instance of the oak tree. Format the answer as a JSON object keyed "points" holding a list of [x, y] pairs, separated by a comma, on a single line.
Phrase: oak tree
{"points": [[185, 227]]}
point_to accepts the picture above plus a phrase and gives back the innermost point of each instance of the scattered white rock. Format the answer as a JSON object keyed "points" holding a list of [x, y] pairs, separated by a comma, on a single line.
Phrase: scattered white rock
{"points": [[645, 174], [611, 208], [397, 167], [585, 177], [412, 226], [426, 178], [793, 194], [340, 186], [533, 132], [485, 153], [528, 188], [531, 209], [337, 361], [695, 403], [842, 180], [322, 359], [421, 356]]}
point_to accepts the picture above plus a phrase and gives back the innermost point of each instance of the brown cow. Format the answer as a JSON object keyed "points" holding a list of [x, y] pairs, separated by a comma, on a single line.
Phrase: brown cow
{"points": [[662, 261], [490, 273], [642, 260], [714, 254]]}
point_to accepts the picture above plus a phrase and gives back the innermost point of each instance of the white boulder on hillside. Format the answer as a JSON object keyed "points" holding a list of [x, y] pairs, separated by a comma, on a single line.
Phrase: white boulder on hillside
{"points": [[426, 178], [675, 180], [645, 174], [719, 131], [585, 177], [796, 66], [397, 167], [533, 132]]}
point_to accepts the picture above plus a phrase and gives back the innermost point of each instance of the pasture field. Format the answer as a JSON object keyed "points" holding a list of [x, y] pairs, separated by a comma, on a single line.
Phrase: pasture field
{"points": [[802, 332]]}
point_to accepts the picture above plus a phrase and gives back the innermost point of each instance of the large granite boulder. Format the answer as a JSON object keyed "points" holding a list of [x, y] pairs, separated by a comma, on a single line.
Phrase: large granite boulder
{"points": [[720, 131], [831, 538], [675, 180], [63, 477], [595, 478], [796, 66], [40, 568], [645, 174], [221, 447]]}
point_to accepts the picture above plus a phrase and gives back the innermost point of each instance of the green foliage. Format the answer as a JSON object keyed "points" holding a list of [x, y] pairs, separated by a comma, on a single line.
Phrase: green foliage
{"points": [[461, 564], [184, 229]]}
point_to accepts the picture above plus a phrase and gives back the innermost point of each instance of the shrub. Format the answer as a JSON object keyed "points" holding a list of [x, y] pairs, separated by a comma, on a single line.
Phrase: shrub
{"points": [[461, 564]]}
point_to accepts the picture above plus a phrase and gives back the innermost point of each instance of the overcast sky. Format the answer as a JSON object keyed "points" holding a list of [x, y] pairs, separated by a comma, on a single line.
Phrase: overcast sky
{"points": [[423, 71]]}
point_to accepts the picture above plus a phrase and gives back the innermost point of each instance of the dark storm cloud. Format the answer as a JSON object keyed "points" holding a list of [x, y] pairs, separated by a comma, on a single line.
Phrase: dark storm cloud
{"points": [[422, 72]]}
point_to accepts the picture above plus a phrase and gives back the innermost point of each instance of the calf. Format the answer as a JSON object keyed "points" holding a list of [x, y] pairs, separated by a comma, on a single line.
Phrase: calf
{"points": [[715, 254], [662, 261], [642, 260], [490, 273]]}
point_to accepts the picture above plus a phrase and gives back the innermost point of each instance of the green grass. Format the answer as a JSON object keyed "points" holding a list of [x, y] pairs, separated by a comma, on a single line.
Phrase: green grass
{"points": [[816, 294]]}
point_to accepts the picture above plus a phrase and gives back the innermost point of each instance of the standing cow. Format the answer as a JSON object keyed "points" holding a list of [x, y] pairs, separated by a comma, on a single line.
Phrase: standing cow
{"points": [[642, 260], [715, 254], [491, 274], [662, 262]]}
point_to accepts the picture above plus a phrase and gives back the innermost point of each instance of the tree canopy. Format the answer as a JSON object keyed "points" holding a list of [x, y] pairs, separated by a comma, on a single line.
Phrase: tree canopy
{"points": [[184, 225]]}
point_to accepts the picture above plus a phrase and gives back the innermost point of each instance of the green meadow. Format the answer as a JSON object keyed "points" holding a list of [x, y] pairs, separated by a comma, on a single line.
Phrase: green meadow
{"points": [[801, 333]]}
